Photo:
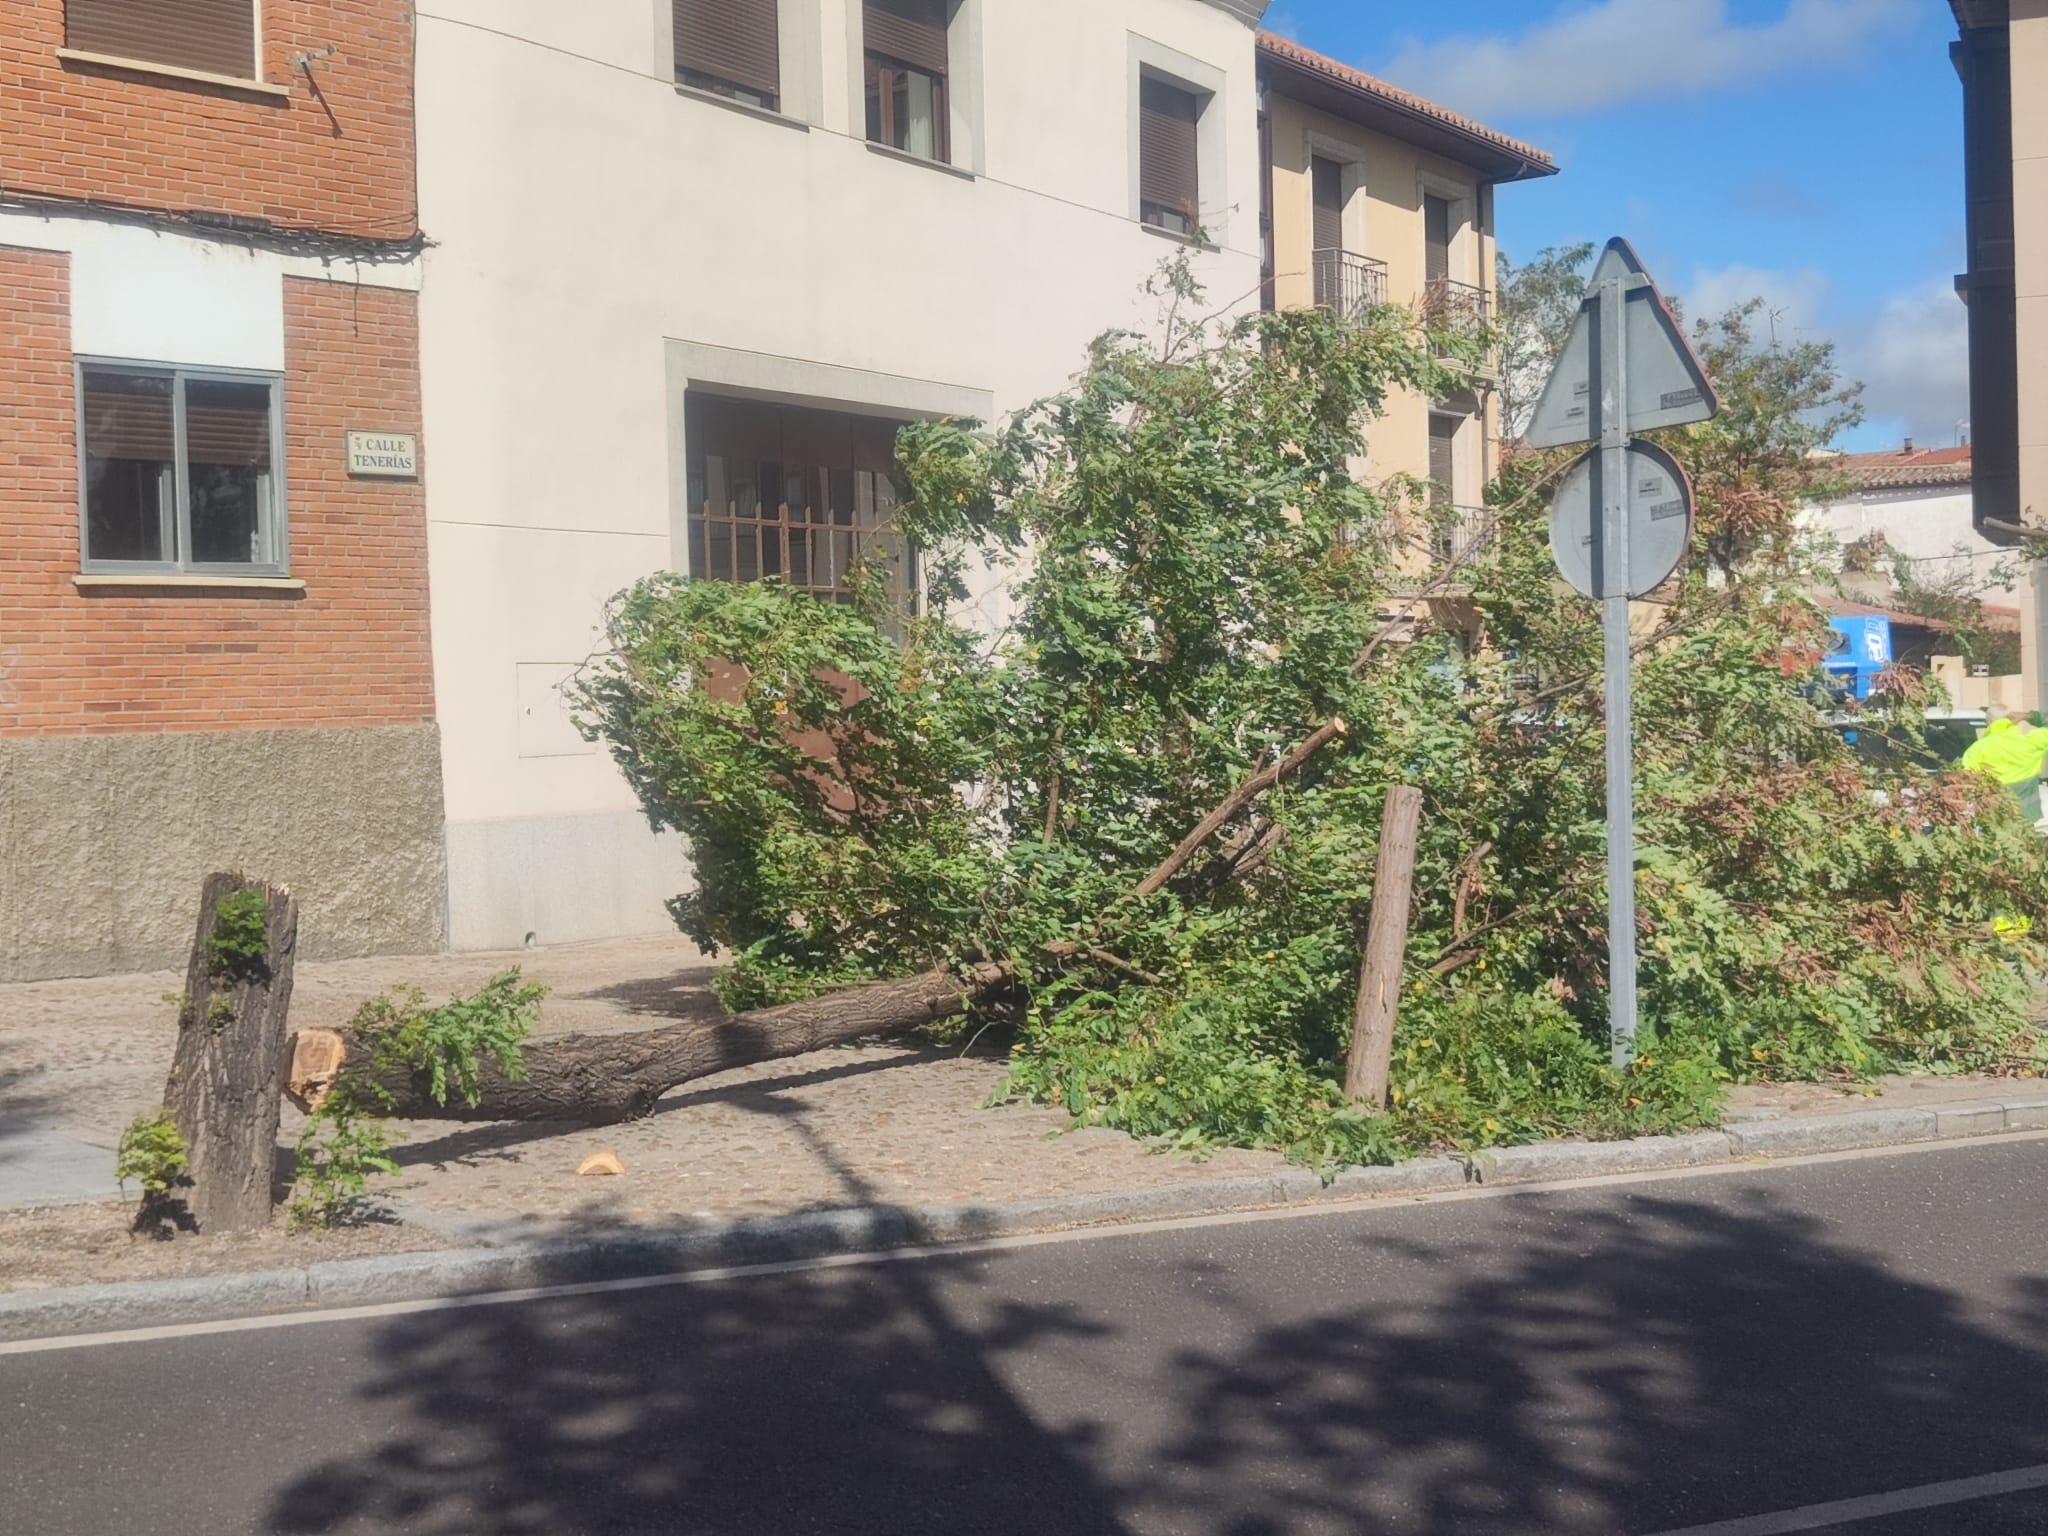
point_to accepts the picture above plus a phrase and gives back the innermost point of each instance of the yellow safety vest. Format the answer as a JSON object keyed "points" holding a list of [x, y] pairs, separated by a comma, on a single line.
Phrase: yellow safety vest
{"points": [[2009, 754]]}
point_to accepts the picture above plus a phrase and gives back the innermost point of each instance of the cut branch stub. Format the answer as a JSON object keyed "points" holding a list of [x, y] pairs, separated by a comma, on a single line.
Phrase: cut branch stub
{"points": [[1386, 945]]}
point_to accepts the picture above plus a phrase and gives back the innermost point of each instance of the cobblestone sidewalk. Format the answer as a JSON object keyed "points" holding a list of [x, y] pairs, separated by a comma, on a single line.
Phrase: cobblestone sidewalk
{"points": [[885, 1124]]}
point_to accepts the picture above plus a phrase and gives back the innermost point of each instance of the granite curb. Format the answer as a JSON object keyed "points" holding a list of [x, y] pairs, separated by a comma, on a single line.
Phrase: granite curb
{"points": [[500, 1262]]}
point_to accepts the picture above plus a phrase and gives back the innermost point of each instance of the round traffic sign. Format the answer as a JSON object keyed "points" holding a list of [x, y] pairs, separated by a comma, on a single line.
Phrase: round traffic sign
{"points": [[1659, 521]]}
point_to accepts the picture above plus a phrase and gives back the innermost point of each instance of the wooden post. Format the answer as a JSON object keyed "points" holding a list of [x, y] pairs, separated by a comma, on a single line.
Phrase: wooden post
{"points": [[1386, 943], [227, 1077]]}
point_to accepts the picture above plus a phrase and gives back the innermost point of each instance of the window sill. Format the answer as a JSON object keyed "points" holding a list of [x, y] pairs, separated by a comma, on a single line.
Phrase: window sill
{"points": [[744, 108], [175, 581], [173, 72], [891, 152], [1192, 242]]}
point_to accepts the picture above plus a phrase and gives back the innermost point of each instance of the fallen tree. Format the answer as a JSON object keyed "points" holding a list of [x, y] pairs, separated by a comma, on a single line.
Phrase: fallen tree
{"points": [[1199, 580], [603, 1079]]}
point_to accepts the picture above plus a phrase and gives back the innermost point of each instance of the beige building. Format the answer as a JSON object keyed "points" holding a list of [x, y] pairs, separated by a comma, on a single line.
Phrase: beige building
{"points": [[1376, 195], [2002, 58]]}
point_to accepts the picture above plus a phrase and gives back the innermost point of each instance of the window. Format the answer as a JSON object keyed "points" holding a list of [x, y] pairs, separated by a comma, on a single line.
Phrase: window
{"points": [[1446, 517], [178, 470], [731, 47], [213, 37], [906, 76], [1436, 238], [1169, 183], [1327, 177], [1443, 460], [800, 495]]}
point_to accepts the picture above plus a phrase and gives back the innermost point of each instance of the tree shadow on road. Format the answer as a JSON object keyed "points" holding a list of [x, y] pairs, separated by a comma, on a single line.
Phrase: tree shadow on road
{"points": [[1575, 1362]]}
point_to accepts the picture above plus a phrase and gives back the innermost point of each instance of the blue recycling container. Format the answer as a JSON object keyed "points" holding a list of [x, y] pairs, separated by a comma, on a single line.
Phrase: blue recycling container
{"points": [[1862, 649]]}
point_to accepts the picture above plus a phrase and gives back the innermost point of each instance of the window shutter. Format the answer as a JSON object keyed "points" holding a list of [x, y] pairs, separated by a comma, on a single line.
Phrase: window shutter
{"points": [[911, 32], [1328, 176], [733, 40], [216, 37], [128, 418], [1443, 458], [1436, 238], [227, 423], [1167, 173]]}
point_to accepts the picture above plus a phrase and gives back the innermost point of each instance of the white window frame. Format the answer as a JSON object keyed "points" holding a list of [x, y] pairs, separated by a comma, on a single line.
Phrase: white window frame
{"points": [[1210, 86], [274, 519]]}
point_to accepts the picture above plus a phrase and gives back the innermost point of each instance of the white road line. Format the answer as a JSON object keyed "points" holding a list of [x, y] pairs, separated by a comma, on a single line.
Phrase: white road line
{"points": [[1092, 1234], [1816, 1517]]}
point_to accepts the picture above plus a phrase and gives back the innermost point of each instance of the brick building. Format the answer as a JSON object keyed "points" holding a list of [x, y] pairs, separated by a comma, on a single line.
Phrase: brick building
{"points": [[214, 643]]}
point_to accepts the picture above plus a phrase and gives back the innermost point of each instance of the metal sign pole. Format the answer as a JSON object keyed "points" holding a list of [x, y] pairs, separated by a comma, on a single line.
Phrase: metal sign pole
{"points": [[1614, 582]]}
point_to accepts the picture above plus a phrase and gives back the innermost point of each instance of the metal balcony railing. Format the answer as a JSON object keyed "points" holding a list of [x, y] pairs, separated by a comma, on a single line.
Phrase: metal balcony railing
{"points": [[1448, 305], [1348, 284], [1458, 533]]}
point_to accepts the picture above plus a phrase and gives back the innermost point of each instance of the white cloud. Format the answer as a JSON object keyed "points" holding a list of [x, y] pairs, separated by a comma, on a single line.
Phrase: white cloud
{"points": [[1910, 350], [1794, 302], [1915, 359], [1586, 57]]}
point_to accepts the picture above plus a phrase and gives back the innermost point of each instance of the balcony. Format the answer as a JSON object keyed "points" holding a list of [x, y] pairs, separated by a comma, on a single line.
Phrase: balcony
{"points": [[1347, 285], [1453, 306], [1458, 533]]}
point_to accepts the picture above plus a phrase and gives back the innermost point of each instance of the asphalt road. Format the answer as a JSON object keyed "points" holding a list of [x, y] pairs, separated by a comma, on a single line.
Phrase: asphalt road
{"points": [[1633, 1358]]}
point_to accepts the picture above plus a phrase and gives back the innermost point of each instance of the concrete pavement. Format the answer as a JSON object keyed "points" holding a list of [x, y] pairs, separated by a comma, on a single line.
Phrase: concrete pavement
{"points": [[1635, 1358]]}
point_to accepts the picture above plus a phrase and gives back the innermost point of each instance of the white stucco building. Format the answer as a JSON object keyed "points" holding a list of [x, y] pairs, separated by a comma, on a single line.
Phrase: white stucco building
{"points": [[1919, 501], [691, 260]]}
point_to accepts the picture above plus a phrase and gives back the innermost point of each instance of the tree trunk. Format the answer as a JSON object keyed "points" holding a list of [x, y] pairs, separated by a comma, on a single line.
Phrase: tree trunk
{"points": [[602, 1079], [1386, 944], [229, 1067]]}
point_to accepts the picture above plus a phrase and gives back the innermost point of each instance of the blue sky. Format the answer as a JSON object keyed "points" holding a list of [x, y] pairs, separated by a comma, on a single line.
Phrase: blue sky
{"points": [[1805, 151]]}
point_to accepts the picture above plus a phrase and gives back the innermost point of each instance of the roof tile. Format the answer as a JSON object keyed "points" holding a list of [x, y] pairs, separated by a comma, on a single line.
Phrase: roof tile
{"points": [[1357, 79], [1901, 467]]}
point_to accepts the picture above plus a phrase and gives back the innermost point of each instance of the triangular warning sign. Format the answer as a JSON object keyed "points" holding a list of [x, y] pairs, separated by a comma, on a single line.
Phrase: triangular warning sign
{"points": [[1667, 387]]}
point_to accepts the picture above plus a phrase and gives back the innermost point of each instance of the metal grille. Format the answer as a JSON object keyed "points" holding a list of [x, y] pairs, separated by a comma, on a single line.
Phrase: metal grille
{"points": [[1348, 284], [804, 497]]}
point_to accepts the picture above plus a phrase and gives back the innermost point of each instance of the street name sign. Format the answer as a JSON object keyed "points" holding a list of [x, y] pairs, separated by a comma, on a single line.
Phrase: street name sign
{"points": [[1620, 524]]}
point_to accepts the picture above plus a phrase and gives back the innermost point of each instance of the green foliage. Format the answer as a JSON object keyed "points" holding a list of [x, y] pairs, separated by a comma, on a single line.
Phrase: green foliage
{"points": [[344, 1142], [446, 1045], [812, 773], [1199, 581], [152, 1153], [239, 945], [1538, 301], [349, 1137]]}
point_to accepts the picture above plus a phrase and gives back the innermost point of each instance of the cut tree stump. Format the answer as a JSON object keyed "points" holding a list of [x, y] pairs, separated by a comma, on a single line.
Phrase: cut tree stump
{"points": [[227, 1076]]}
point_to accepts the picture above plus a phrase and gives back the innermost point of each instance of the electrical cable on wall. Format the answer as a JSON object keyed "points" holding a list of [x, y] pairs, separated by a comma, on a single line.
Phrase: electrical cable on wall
{"points": [[227, 228]]}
